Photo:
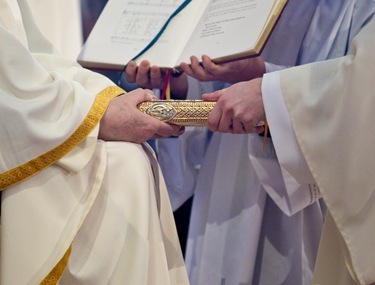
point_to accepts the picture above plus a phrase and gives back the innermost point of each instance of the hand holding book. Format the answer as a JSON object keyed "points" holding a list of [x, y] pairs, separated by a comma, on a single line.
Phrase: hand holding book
{"points": [[189, 112], [211, 27]]}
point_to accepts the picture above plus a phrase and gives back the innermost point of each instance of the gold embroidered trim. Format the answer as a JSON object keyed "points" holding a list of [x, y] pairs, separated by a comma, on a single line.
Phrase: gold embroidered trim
{"points": [[32, 167], [54, 276]]}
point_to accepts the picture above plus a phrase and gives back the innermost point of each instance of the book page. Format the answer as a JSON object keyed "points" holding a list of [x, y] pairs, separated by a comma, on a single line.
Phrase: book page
{"points": [[173, 41], [124, 28], [228, 27]]}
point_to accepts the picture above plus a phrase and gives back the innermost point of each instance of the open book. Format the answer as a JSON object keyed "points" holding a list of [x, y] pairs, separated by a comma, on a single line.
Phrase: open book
{"points": [[168, 32]]}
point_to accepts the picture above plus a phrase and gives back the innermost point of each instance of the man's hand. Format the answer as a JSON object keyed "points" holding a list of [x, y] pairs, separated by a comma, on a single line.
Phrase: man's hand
{"points": [[231, 72], [147, 76], [239, 108], [124, 122], [144, 75]]}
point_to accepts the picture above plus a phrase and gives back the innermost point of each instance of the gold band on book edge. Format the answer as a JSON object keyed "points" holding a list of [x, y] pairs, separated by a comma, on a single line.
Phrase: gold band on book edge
{"points": [[34, 166], [178, 112]]}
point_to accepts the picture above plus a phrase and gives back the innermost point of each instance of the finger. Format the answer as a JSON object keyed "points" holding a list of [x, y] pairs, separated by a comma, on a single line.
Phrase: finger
{"points": [[186, 68], [238, 127], [131, 72], [156, 77], [226, 123], [194, 61], [167, 130], [178, 131], [197, 68], [258, 129], [213, 120], [142, 78], [251, 128], [208, 64], [214, 96]]}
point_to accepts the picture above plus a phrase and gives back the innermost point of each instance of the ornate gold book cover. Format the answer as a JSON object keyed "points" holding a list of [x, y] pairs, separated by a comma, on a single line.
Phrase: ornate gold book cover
{"points": [[179, 112]]}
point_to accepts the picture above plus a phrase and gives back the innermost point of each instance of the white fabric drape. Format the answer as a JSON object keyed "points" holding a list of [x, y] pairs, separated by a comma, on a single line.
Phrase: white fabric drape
{"points": [[341, 161], [252, 222], [106, 199], [60, 22]]}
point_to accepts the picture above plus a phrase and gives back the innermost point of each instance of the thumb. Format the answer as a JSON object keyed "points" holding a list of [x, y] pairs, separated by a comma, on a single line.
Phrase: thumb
{"points": [[214, 96]]}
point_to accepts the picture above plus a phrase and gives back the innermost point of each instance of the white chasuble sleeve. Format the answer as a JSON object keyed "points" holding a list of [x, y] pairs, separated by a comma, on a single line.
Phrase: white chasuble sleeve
{"points": [[331, 107], [282, 168], [44, 96]]}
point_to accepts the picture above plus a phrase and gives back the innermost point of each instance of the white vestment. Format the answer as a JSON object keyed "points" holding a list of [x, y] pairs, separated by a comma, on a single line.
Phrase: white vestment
{"points": [[330, 106], [60, 22], [251, 222], [105, 200]]}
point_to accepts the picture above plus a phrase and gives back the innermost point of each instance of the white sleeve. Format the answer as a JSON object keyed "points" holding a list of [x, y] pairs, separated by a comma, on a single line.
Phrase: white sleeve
{"points": [[282, 169], [270, 67]]}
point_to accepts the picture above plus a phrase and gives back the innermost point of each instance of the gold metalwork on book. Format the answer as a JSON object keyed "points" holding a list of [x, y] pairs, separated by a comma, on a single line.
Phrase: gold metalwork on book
{"points": [[178, 112], [32, 167]]}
